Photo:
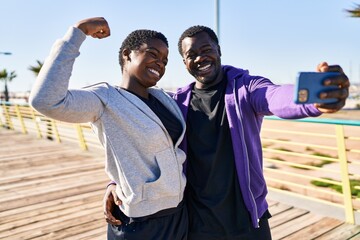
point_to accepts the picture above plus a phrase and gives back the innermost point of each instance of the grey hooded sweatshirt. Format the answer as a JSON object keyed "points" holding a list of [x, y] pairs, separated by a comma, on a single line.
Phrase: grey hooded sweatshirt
{"points": [[140, 155]]}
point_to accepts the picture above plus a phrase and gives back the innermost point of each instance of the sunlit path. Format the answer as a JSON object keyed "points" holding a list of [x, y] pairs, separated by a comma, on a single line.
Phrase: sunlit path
{"points": [[54, 191]]}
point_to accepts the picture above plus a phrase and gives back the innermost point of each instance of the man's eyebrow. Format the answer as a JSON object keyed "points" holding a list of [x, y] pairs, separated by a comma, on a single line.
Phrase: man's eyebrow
{"points": [[206, 45], [187, 52], [152, 48]]}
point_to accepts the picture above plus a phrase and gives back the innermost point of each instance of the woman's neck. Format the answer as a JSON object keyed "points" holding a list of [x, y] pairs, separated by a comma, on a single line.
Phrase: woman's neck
{"points": [[135, 88]]}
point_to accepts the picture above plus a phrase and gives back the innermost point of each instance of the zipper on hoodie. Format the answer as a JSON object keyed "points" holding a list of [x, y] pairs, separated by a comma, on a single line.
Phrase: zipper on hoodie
{"points": [[173, 147], [241, 132], [176, 145]]}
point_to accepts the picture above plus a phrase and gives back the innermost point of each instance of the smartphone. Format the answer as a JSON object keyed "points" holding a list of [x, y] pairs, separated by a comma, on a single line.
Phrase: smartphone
{"points": [[309, 85]]}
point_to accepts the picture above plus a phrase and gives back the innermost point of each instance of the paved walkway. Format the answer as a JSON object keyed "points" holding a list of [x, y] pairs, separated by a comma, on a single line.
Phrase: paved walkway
{"points": [[54, 191]]}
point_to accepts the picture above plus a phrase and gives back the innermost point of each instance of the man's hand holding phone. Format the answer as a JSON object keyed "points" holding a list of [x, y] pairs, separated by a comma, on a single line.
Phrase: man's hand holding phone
{"points": [[327, 89]]}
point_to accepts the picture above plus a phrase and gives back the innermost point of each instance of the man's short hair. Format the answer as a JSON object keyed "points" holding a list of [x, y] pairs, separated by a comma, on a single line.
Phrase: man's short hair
{"points": [[191, 31]]}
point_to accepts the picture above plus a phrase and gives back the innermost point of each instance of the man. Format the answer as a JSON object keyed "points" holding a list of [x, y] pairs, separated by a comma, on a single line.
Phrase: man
{"points": [[224, 109]]}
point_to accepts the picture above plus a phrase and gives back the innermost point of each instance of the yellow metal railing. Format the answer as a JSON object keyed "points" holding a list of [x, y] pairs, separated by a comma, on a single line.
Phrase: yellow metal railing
{"points": [[24, 118], [299, 155], [316, 159]]}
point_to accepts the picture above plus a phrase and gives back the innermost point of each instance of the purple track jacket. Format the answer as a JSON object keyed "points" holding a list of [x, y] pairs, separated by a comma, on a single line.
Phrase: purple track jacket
{"points": [[247, 100]]}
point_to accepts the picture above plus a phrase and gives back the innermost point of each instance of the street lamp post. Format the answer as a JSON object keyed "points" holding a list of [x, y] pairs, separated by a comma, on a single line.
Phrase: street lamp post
{"points": [[217, 18]]}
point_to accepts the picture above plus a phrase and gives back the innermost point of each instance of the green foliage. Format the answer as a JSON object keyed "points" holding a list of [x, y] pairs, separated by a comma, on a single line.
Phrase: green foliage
{"points": [[266, 145], [283, 149], [355, 12], [282, 187], [338, 188], [319, 154], [322, 163], [7, 77], [36, 69]]}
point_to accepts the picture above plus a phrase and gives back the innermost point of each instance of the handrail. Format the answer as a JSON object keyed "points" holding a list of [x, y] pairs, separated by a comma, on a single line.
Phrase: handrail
{"points": [[292, 160], [320, 120], [297, 153]]}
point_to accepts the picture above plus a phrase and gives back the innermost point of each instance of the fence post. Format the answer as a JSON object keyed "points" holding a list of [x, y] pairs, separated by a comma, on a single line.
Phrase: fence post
{"points": [[36, 122], [1, 122], [82, 141], [21, 120], [340, 138], [8, 122], [53, 129]]}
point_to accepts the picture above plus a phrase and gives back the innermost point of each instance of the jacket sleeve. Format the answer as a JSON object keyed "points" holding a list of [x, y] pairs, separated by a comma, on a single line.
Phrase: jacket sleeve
{"points": [[50, 95], [271, 99]]}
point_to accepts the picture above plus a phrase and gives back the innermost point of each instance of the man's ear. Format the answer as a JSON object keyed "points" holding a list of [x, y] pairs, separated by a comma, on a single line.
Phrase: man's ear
{"points": [[126, 54], [219, 49], [184, 61]]}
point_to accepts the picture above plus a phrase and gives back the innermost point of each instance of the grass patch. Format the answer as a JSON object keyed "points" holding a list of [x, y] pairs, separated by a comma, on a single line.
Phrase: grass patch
{"points": [[313, 164], [319, 154], [284, 188], [322, 163], [266, 145], [302, 168], [284, 149], [353, 183], [283, 139]]}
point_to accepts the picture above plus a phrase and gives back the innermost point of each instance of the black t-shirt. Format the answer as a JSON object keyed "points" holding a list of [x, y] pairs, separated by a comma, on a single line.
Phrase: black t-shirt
{"points": [[215, 203], [170, 122]]}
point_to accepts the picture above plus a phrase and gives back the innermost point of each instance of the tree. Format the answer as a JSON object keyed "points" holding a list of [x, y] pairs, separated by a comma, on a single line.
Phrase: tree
{"points": [[36, 69], [355, 12], [7, 77]]}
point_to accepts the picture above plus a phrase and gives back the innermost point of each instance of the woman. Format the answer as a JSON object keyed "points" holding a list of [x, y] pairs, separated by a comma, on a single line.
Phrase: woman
{"points": [[139, 125]]}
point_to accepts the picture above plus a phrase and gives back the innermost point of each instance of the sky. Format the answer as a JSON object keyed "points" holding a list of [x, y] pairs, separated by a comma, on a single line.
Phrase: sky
{"points": [[275, 39]]}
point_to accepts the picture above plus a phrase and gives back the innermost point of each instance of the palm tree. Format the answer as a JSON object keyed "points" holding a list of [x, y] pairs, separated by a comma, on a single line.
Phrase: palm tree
{"points": [[6, 77], [355, 12], [36, 69]]}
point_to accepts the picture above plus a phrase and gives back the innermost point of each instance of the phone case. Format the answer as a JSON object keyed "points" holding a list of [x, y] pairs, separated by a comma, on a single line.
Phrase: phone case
{"points": [[310, 84]]}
